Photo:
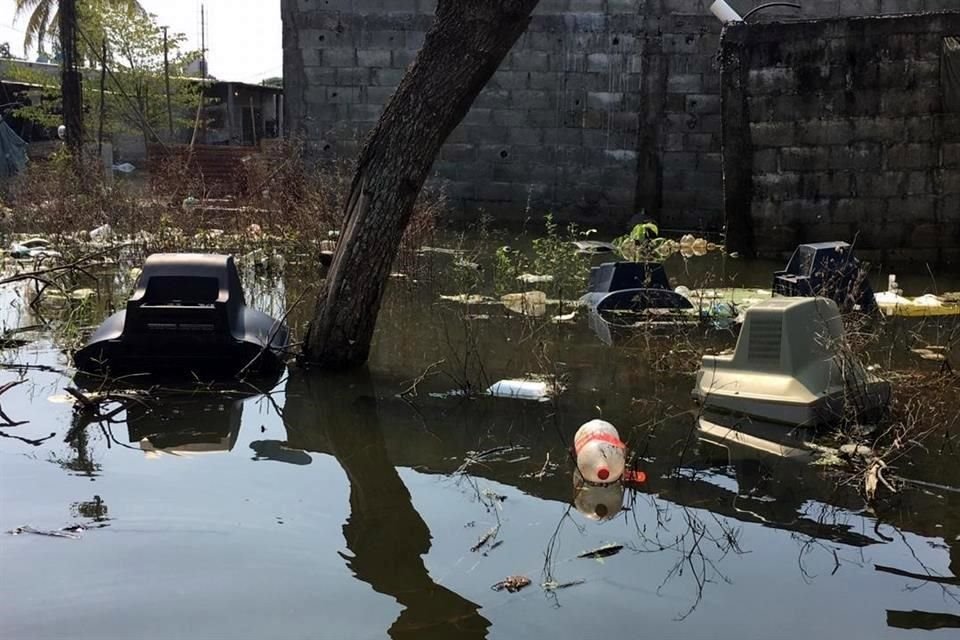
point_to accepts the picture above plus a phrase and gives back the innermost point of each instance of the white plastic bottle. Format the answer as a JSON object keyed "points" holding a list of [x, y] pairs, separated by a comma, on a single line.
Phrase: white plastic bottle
{"points": [[599, 451]]}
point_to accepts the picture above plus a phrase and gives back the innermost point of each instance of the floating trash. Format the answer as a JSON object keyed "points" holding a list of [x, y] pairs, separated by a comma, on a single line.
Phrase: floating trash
{"points": [[468, 265], [594, 247], [468, 298], [604, 551], [600, 453], [892, 303], [530, 278], [512, 584], [530, 303], [521, 389], [442, 251], [103, 233], [553, 585], [929, 353], [33, 248], [81, 295], [71, 533]]}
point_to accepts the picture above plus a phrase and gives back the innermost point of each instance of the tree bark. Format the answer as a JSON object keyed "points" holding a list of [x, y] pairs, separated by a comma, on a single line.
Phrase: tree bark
{"points": [[463, 48], [71, 91]]}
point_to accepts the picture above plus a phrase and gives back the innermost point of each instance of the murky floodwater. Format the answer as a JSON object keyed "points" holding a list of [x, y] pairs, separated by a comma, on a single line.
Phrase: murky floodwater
{"points": [[334, 507]]}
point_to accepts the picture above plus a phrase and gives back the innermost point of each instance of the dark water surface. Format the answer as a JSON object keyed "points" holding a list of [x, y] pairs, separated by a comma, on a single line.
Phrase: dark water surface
{"points": [[335, 508]]}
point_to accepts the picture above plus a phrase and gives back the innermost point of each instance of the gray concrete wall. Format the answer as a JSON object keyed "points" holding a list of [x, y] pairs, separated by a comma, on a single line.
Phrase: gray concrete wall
{"points": [[837, 129], [603, 108]]}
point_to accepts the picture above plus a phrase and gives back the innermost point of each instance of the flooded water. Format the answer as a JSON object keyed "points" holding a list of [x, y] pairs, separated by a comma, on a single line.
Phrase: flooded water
{"points": [[378, 504]]}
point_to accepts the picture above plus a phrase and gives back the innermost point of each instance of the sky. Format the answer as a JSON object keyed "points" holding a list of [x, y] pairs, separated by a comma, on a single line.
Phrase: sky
{"points": [[244, 42]]}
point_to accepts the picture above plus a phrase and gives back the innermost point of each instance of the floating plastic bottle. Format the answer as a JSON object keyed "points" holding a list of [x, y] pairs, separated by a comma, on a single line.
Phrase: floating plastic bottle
{"points": [[600, 453]]}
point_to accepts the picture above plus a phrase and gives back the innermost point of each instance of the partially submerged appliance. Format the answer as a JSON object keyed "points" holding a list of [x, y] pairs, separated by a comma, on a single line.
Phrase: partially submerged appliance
{"points": [[628, 294], [187, 314], [790, 367], [830, 270]]}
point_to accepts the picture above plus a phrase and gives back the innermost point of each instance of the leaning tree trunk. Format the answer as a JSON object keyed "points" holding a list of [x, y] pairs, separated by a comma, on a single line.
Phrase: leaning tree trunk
{"points": [[71, 91], [463, 48]]}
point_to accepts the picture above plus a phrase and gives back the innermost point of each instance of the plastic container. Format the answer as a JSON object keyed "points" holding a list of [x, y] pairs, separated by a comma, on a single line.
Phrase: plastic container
{"points": [[599, 451], [724, 12]]}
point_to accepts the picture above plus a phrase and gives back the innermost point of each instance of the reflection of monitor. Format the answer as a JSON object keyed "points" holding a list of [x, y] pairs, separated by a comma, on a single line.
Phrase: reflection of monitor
{"points": [[187, 425]]}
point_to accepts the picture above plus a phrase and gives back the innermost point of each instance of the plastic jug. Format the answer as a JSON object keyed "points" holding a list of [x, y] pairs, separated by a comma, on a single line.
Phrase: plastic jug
{"points": [[599, 451]]}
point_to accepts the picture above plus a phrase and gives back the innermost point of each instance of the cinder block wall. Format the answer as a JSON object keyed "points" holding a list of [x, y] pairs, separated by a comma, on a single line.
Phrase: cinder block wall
{"points": [[837, 129], [603, 108]]}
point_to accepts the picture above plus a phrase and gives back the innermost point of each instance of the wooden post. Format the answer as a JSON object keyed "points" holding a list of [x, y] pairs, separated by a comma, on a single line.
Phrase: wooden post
{"points": [[103, 98], [253, 122], [280, 113], [230, 123], [166, 77]]}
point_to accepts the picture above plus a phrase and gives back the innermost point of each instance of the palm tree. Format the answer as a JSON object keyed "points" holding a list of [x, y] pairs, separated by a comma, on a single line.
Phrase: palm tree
{"points": [[45, 16]]}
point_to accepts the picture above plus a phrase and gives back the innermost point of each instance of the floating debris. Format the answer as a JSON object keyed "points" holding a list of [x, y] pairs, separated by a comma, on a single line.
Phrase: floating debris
{"points": [[529, 389], [442, 251], [893, 304], [594, 247], [930, 353], [485, 539], [33, 248], [80, 295], [71, 532], [691, 246], [466, 264], [857, 450], [604, 551], [530, 278], [103, 233], [530, 303], [465, 298], [512, 584], [492, 547], [553, 585], [565, 318]]}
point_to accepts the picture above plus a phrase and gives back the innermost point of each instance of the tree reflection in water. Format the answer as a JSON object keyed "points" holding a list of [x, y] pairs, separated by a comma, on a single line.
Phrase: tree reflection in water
{"points": [[384, 533]]}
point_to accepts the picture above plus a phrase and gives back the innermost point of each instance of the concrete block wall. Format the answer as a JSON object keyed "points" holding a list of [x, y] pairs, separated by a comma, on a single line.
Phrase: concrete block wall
{"points": [[836, 129], [603, 108]]}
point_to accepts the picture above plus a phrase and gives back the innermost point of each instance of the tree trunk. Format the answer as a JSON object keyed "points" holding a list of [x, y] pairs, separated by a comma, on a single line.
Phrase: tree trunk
{"points": [[463, 48], [71, 91]]}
